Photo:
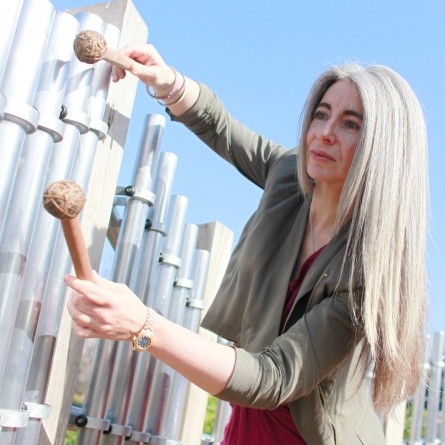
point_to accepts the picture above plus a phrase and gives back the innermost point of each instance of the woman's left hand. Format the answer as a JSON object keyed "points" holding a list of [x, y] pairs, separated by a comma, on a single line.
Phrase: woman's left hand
{"points": [[104, 309]]}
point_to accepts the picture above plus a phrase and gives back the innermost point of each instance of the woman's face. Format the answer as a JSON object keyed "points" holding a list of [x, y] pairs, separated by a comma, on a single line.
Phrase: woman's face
{"points": [[333, 133]]}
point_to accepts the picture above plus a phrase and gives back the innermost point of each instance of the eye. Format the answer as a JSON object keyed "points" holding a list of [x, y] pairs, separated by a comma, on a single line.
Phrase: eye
{"points": [[319, 114], [353, 125]]}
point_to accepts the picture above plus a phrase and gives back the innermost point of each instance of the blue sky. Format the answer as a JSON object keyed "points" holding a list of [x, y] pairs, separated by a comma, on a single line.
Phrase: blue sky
{"points": [[261, 57]]}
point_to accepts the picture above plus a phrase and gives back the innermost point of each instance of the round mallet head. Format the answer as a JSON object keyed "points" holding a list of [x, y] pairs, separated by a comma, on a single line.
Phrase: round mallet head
{"points": [[90, 46], [64, 199]]}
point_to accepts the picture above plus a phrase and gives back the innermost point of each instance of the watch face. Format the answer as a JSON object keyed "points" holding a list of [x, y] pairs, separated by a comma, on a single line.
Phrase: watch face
{"points": [[144, 342]]}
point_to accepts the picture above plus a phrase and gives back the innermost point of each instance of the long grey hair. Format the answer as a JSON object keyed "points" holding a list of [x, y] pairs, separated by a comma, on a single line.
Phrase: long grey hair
{"points": [[385, 197]]}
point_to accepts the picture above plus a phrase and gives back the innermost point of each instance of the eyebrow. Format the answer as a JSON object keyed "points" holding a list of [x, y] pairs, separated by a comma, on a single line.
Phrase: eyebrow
{"points": [[346, 112]]}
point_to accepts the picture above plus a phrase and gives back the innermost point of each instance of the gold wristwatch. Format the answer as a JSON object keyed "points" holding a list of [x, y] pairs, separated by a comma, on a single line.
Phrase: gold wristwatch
{"points": [[144, 339]]}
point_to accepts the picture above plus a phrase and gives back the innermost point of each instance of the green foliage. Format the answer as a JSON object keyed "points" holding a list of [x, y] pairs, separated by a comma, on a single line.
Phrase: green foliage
{"points": [[70, 438], [209, 420]]}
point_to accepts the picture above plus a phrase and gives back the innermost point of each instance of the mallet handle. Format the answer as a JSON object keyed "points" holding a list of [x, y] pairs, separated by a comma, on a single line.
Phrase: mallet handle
{"points": [[116, 58], [77, 248]]}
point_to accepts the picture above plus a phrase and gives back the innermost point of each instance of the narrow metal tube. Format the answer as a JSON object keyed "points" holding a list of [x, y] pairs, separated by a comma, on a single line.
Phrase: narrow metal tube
{"points": [[125, 359], [148, 255], [47, 229], [9, 17], [12, 137], [434, 388], [139, 410], [130, 236], [19, 86]]}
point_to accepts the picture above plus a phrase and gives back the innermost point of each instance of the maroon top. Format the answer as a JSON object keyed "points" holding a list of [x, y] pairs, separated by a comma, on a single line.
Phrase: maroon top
{"points": [[250, 426]]}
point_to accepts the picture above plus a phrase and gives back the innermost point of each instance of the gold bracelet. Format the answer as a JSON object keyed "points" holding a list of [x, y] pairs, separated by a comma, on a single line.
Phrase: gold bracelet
{"points": [[144, 338]]}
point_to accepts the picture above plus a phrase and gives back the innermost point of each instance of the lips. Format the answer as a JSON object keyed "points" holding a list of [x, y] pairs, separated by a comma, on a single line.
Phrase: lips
{"points": [[322, 155]]}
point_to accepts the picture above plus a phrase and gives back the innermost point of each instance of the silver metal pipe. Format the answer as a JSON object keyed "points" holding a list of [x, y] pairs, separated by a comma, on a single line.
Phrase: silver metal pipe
{"points": [[139, 410], [417, 416], [222, 416], [19, 86], [148, 254], [9, 17], [129, 239], [28, 189], [175, 416], [434, 389], [145, 265], [138, 204], [47, 227], [126, 360], [169, 265], [61, 264]]}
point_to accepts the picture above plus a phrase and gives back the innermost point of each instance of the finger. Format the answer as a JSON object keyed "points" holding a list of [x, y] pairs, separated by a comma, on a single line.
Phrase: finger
{"points": [[80, 317], [83, 332], [117, 74], [90, 291]]}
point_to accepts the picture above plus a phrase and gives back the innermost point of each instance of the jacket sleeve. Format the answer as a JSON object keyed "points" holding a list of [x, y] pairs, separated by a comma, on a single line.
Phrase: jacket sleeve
{"points": [[248, 151], [297, 361]]}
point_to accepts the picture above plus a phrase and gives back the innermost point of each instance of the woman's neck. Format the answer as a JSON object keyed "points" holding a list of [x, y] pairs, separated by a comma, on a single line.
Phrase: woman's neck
{"points": [[323, 213]]}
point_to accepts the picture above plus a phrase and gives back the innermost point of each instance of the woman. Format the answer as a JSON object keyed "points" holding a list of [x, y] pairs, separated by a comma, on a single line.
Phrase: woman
{"points": [[328, 278]]}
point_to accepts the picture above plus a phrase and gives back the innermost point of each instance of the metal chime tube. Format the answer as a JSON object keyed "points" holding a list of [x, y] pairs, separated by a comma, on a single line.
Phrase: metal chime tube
{"points": [[129, 240], [9, 17], [175, 416], [434, 389], [192, 291], [148, 255], [19, 86], [22, 210], [47, 227], [139, 411], [61, 264], [146, 263], [419, 405], [170, 262], [123, 381], [442, 414]]}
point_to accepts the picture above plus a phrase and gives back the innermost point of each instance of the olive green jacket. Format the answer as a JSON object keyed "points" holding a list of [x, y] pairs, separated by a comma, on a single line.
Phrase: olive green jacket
{"points": [[313, 365]]}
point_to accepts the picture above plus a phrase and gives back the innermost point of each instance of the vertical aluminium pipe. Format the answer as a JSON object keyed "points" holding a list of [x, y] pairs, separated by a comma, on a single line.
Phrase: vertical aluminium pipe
{"points": [[55, 289], [434, 389], [9, 16], [46, 228], [148, 255], [145, 264], [21, 212], [122, 389], [61, 264], [129, 239], [191, 317], [19, 86], [170, 262], [143, 376], [417, 417]]}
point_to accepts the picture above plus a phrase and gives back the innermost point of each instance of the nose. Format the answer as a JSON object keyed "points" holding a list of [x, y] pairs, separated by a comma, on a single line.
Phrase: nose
{"points": [[326, 132]]}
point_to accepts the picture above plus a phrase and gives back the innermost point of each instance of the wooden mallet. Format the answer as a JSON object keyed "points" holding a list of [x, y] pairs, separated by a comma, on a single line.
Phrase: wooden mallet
{"points": [[65, 200], [90, 47]]}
